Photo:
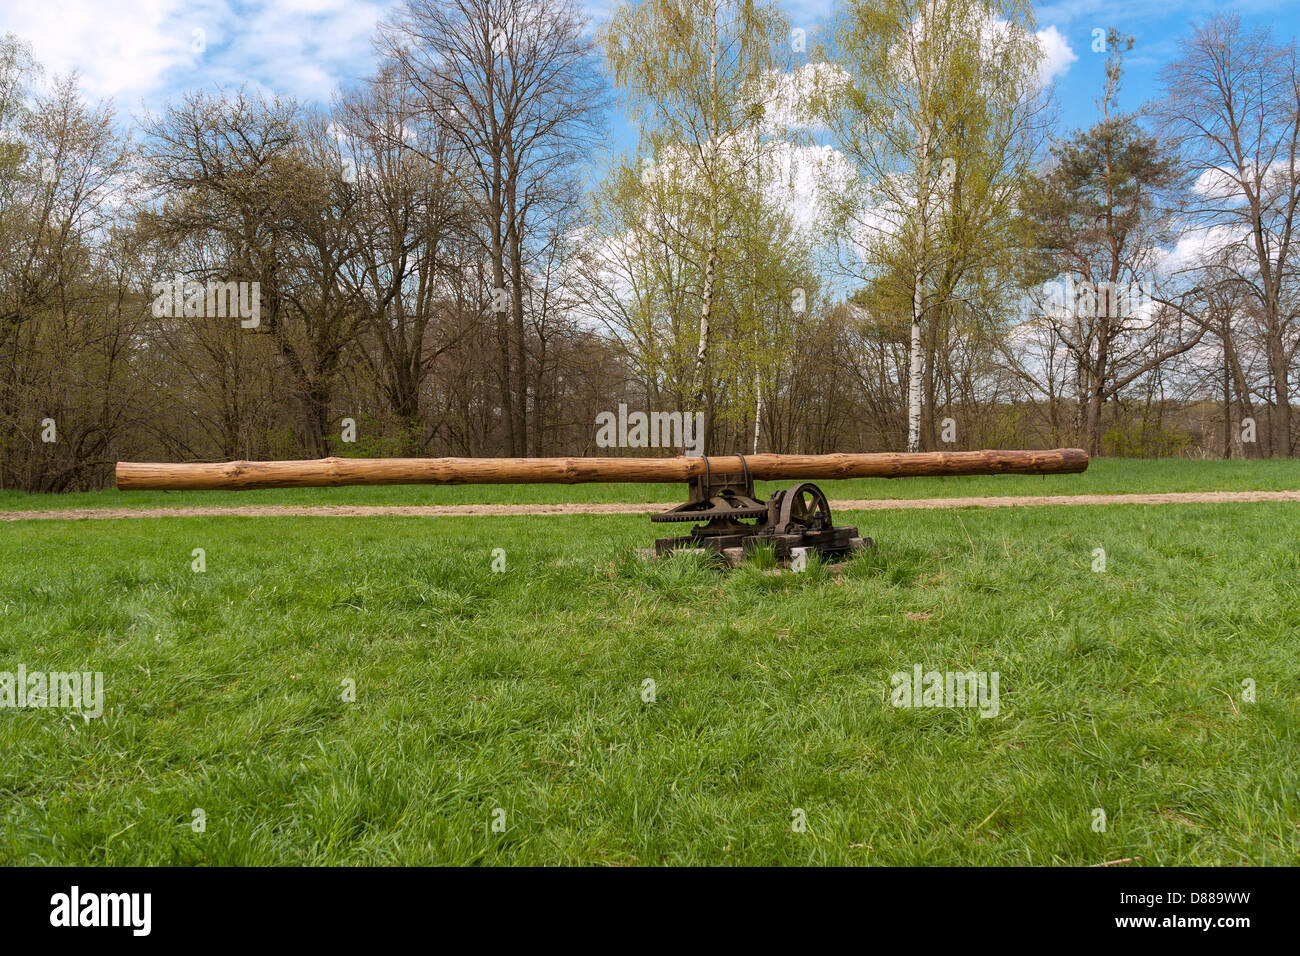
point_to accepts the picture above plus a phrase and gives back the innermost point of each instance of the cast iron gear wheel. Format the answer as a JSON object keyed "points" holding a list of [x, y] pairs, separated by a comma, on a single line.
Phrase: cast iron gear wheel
{"points": [[804, 506]]}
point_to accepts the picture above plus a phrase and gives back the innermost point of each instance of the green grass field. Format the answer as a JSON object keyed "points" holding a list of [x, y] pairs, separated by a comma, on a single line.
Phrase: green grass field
{"points": [[522, 691]]}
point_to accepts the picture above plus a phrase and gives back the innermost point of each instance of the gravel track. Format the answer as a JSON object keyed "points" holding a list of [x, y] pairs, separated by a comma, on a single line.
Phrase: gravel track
{"points": [[624, 508]]}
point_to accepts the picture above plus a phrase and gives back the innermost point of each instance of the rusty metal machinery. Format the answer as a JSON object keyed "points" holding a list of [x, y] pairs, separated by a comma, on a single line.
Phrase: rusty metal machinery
{"points": [[733, 523]]}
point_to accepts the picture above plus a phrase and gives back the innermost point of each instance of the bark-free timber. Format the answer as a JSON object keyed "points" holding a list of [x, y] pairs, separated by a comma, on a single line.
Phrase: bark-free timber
{"points": [[331, 472]]}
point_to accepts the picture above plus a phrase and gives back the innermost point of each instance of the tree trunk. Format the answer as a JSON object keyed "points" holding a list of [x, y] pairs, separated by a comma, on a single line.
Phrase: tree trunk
{"points": [[519, 358], [1097, 390], [1282, 397], [914, 373], [1092, 425], [498, 255], [334, 472], [711, 254], [1227, 403]]}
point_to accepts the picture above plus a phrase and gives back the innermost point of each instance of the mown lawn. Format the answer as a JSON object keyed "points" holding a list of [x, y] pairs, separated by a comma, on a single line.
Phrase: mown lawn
{"points": [[1104, 476], [521, 691]]}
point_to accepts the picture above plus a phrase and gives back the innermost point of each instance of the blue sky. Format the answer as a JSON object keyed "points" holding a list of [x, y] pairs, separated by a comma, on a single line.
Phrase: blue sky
{"points": [[1157, 27], [141, 52]]}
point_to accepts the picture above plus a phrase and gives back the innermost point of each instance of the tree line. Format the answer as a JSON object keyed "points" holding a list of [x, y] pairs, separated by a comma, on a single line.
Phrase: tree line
{"points": [[871, 236]]}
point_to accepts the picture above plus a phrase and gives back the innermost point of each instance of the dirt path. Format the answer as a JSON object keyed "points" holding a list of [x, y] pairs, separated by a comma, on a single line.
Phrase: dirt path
{"points": [[624, 508]]}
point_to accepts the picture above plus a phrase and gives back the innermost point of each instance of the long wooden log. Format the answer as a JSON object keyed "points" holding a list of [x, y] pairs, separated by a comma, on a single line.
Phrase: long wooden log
{"points": [[331, 472]]}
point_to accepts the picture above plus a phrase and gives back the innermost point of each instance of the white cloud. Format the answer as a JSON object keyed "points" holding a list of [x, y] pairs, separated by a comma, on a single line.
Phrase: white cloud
{"points": [[118, 47], [1217, 183], [802, 182], [1223, 184], [995, 34], [1196, 247], [1057, 55], [790, 96], [135, 50]]}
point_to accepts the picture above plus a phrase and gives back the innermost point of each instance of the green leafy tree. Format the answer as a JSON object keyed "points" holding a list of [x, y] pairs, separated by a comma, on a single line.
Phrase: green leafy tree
{"points": [[1098, 213], [695, 72], [940, 110]]}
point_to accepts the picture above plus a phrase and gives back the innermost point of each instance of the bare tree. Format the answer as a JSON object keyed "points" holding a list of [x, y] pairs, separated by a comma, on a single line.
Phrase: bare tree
{"points": [[1233, 105], [410, 232], [517, 85]]}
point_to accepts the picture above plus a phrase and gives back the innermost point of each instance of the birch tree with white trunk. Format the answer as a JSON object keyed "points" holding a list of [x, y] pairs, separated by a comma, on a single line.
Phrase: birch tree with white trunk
{"points": [[940, 108], [691, 71]]}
